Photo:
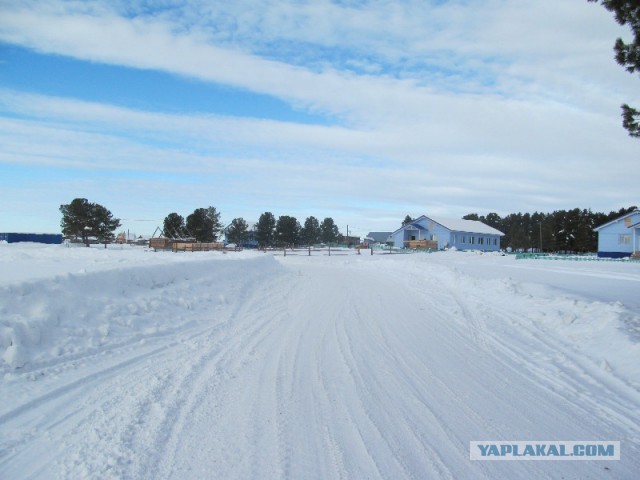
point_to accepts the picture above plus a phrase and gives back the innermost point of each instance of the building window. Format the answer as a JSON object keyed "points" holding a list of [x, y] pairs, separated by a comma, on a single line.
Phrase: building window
{"points": [[464, 239], [481, 241], [473, 240], [624, 239]]}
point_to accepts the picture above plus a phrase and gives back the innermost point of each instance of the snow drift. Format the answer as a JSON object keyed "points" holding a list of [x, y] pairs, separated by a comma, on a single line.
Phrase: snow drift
{"points": [[131, 364]]}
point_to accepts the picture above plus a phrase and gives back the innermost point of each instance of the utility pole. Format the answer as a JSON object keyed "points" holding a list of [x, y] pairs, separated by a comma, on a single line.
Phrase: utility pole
{"points": [[540, 236]]}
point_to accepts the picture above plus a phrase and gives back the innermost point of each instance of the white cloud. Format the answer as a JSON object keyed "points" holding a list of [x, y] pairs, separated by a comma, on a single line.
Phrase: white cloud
{"points": [[465, 105], [449, 48]]}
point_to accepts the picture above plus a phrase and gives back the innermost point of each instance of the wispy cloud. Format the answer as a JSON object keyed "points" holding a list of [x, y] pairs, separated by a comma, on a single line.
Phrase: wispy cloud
{"points": [[449, 48], [446, 106]]}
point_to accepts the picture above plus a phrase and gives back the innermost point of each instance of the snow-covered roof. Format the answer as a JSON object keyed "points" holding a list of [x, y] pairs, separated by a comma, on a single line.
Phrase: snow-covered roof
{"points": [[454, 224], [461, 225]]}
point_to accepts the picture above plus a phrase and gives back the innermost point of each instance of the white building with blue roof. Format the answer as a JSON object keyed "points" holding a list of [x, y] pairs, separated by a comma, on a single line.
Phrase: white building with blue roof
{"points": [[448, 232]]}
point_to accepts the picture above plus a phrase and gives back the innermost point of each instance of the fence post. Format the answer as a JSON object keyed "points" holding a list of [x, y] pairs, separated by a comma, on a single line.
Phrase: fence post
{"points": [[309, 250], [371, 250], [329, 249], [285, 251]]}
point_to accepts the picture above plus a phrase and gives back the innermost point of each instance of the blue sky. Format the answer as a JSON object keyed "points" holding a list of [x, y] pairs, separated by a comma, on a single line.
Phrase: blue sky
{"points": [[364, 111]]}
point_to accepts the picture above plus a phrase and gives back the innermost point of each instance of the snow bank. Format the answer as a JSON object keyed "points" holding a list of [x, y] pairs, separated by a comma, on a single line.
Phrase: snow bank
{"points": [[72, 302], [602, 335], [132, 364]]}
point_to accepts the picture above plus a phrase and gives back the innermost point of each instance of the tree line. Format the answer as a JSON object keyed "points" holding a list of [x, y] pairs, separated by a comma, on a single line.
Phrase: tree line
{"points": [[203, 225], [285, 231], [87, 221], [560, 231]]}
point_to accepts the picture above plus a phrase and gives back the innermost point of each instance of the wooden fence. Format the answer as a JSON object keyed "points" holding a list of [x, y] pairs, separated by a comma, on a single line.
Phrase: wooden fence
{"points": [[178, 246]]}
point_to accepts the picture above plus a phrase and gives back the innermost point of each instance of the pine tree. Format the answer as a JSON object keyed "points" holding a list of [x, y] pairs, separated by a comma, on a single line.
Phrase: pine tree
{"points": [[84, 219], [329, 230], [174, 226], [287, 231], [103, 224], [627, 12], [265, 230], [311, 232], [75, 219], [204, 224], [237, 231]]}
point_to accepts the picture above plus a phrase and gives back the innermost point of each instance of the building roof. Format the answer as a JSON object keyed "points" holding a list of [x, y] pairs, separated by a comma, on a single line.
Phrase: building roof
{"points": [[454, 225], [413, 226], [616, 220], [457, 225], [470, 226], [379, 237]]}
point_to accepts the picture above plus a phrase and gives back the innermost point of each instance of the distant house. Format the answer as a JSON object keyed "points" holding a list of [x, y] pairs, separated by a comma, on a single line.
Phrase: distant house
{"points": [[348, 240], [377, 238], [51, 238], [620, 237], [448, 233], [251, 240]]}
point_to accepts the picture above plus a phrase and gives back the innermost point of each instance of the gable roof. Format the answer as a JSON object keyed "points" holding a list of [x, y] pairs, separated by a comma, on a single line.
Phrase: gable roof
{"points": [[454, 225], [470, 226], [410, 226], [380, 237], [616, 220]]}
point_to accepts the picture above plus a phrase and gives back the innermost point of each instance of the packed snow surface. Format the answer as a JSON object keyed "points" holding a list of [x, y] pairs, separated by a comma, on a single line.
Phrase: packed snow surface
{"points": [[132, 364]]}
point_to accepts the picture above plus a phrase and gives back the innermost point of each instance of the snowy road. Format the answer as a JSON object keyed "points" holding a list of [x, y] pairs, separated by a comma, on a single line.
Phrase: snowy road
{"points": [[304, 368]]}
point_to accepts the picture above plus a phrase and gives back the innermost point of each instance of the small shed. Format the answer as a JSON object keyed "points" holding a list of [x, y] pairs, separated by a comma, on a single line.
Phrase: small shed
{"points": [[49, 238], [620, 237]]}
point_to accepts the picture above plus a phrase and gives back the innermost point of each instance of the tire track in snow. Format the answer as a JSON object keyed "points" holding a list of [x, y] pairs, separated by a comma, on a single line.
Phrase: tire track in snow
{"points": [[215, 378], [338, 369], [390, 416]]}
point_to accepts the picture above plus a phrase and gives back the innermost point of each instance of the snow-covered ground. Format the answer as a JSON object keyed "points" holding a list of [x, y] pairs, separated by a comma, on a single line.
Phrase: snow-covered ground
{"points": [[125, 363]]}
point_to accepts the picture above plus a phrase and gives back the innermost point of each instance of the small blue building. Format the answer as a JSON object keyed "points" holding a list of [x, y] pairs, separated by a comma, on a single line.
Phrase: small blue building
{"points": [[251, 240], [51, 238], [461, 234], [620, 237]]}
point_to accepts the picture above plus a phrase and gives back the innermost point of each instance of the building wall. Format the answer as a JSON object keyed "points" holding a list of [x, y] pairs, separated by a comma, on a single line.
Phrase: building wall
{"points": [[616, 240], [475, 241], [398, 239], [430, 231], [50, 238]]}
